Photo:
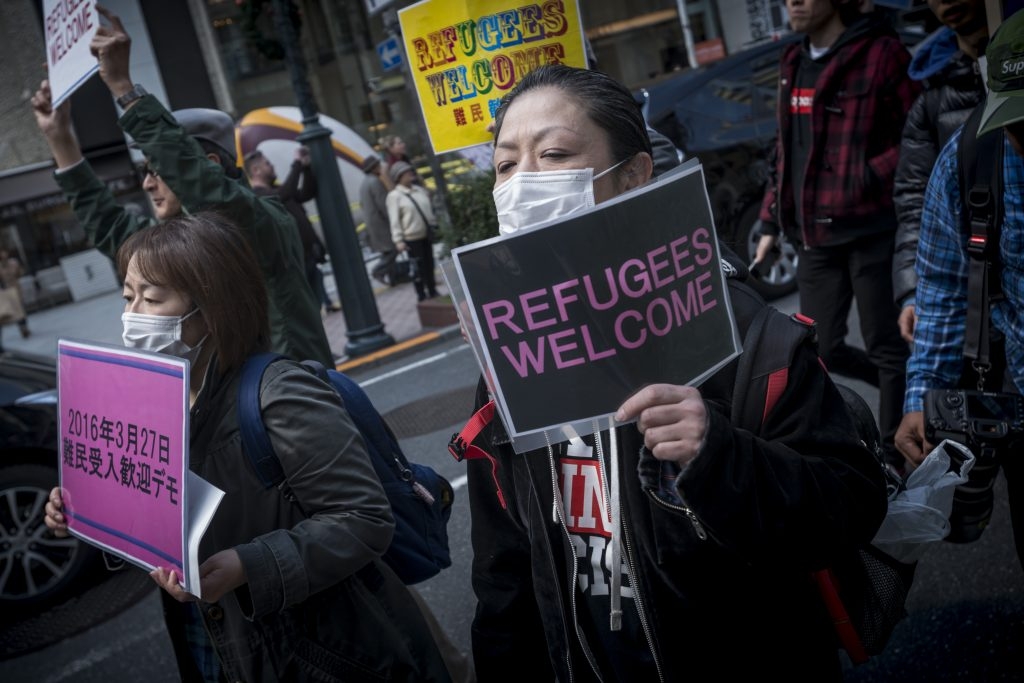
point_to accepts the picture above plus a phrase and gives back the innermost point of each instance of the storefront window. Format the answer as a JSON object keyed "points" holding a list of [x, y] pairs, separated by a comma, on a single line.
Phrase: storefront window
{"points": [[43, 230]]}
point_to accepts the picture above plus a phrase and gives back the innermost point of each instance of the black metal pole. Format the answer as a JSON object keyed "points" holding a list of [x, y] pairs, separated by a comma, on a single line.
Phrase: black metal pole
{"points": [[365, 331]]}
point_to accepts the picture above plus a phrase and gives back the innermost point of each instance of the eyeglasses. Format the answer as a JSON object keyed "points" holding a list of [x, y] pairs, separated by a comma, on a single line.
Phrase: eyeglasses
{"points": [[147, 170]]}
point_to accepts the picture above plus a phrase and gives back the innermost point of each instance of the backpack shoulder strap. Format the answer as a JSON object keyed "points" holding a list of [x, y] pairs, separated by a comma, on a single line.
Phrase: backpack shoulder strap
{"points": [[769, 346], [980, 178], [382, 445], [366, 418], [255, 442], [980, 164]]}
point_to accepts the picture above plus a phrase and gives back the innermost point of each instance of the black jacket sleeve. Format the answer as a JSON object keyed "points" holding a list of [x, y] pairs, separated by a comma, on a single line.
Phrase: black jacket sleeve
{"points": [[801, 488], [792, 487], [292, 190], [918, 152], [508, 635]]}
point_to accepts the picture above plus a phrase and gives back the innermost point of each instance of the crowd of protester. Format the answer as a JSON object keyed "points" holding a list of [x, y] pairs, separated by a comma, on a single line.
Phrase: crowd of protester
{"points": [[705, 525]]}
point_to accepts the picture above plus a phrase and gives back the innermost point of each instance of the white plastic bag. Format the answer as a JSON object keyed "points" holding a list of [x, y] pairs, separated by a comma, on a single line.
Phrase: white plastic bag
{"points": [[920, 514]]}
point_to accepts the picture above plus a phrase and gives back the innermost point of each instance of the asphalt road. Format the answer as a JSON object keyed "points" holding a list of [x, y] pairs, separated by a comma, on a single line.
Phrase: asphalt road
{"points": [[965, 611]]}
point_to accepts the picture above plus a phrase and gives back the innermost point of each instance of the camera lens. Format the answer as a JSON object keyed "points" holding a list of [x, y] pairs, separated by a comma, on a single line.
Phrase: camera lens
{"points": [[973, 501]]}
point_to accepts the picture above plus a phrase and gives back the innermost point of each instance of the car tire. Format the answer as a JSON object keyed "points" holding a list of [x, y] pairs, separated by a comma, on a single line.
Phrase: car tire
{"points": [[35, 566], [781, 279]]}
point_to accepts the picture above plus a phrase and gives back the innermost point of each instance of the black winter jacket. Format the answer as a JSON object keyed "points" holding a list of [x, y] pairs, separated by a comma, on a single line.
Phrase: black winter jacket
{"points": [[737, 604], [953, 88]]}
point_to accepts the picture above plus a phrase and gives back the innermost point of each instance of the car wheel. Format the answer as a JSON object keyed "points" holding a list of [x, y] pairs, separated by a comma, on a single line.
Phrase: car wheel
{"points": [[35, 566], [781, 280]]}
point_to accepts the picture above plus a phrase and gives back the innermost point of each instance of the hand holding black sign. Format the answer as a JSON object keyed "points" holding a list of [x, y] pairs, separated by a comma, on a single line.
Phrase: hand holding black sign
{"points": [[567, 334]]}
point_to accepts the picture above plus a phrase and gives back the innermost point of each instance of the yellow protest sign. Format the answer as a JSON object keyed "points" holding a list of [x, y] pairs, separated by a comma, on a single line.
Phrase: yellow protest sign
{"points": [[464, 55]]}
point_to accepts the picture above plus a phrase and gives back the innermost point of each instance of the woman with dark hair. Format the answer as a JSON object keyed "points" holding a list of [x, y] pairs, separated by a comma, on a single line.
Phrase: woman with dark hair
{"points": [[718, 527], [292, 581]]}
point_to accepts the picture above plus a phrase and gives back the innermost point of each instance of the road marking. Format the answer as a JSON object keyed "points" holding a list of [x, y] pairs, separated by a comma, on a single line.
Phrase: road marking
{"points": [[388, 351], [458, 482], [413, 366], [101, 655]]}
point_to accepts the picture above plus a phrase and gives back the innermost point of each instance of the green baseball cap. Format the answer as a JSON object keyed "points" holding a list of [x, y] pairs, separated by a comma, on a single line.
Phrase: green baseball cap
{"points": [[1004, 103]]}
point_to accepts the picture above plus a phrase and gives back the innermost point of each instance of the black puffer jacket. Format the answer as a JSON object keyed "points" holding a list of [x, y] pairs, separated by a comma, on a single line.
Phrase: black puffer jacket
{"points": [[727, 597], [953, 88]]}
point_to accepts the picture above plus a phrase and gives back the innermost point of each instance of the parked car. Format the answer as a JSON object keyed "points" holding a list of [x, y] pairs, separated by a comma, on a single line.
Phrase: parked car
{"points": [[35, 566], [724, 114]]}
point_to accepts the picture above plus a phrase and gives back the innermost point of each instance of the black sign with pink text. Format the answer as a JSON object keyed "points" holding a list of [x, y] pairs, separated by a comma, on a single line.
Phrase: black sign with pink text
{"points": [[573, 317]]}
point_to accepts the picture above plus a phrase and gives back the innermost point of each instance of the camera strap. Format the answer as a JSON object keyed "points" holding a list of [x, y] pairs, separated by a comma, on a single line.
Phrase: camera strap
{"points": [[981, 175]]}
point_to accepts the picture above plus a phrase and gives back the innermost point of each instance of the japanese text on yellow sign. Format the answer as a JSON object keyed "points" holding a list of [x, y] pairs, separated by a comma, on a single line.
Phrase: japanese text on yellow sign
{"points": [[465, 55]]}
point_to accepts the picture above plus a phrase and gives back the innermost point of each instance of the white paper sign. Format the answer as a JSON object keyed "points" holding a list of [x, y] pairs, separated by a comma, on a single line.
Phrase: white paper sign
{"points": [[69, 26]]}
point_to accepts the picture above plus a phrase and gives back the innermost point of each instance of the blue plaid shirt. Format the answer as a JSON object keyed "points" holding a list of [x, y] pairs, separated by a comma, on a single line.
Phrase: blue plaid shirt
{"points": [[942, 265]]}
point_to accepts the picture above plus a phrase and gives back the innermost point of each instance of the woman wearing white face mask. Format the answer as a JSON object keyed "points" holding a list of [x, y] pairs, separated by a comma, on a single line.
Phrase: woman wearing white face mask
{"points": [[292, 581], [718, 527]]}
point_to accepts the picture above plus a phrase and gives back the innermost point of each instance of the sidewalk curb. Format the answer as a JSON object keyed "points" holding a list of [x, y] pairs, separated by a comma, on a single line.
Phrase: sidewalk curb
{"points": [[397, 351]]}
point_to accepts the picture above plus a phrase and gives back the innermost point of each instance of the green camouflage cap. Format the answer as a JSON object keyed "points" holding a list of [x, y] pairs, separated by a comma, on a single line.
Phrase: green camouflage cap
{"points": [[1004, 103]]}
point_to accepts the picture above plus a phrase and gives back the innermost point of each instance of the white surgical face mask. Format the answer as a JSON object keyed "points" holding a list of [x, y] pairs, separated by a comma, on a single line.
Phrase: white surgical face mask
{"points": [[160, 333], [528, 198]]}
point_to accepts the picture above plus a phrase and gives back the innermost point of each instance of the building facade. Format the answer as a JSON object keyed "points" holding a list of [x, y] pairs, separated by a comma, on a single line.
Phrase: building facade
{"points": [[224, 54]]}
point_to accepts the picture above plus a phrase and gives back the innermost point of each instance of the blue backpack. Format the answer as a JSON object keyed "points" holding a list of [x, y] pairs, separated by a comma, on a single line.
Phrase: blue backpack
{"points": [[421, 499]]}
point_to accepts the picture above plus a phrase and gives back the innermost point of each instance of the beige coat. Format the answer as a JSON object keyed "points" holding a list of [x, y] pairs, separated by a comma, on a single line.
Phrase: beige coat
{"points": [[406, 222], [11, 307]]}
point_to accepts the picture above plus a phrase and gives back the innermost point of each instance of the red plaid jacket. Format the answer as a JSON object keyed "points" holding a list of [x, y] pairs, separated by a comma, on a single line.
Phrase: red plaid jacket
{"points": [[861, 102]]}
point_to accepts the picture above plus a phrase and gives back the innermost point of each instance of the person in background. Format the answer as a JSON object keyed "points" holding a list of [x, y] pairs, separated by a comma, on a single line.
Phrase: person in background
{"points": [[393, 150], [293, 584], [409, 213], [297, 189], [190, 166], [942, 299], [10, 271], [373, 198], [843, 100], [720, 525], [947, 64]]}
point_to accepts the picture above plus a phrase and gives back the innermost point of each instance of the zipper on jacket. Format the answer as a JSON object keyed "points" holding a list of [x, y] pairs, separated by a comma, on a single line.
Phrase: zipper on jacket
{"points": [[698, 526], [703, 532], [637, 598], [559, 517], [611, 490]]}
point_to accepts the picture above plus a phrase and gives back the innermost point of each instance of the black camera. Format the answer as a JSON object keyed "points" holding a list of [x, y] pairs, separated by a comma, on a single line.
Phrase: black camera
{"points": [[988, 423]]}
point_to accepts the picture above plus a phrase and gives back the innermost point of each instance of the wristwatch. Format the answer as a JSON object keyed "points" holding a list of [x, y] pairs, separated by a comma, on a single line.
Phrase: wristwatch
{"points": [[135, 93]]}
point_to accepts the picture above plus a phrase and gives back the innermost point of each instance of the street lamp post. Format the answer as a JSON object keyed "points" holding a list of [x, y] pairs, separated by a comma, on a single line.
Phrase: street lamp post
{"points": [[684, 21], [365, 331]]}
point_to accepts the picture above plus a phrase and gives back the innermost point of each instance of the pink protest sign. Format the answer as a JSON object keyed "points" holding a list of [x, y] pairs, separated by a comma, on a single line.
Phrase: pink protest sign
{"points": [[124, 451]]}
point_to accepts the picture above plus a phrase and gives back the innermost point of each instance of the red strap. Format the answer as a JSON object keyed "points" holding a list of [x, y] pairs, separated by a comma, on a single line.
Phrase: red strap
{"points": [[776, 385], [461, 445], [848, 637], [823, 578], [800, 317]]}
